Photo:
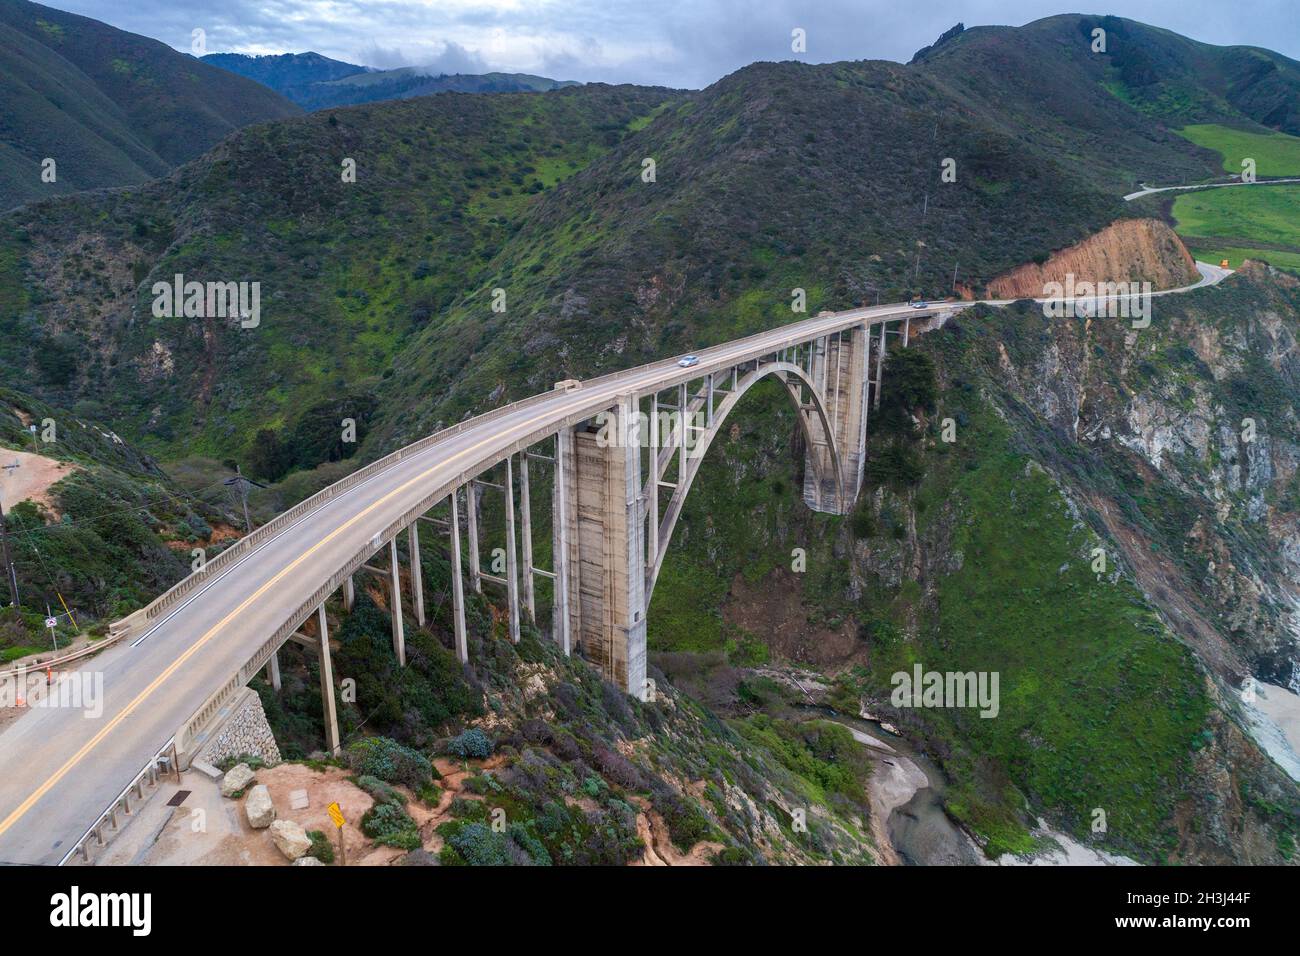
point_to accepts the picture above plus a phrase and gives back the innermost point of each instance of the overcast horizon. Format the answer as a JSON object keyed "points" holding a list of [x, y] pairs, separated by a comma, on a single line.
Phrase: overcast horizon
{"points": [[681, 44]]}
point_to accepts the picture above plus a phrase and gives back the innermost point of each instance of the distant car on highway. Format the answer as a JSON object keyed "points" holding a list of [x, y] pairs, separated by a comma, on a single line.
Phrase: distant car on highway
{"points": [[688, 361], [919, 304]]}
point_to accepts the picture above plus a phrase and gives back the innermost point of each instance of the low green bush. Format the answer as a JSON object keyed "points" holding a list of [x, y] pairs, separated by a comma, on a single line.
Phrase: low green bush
{"points": [[473, 743]]}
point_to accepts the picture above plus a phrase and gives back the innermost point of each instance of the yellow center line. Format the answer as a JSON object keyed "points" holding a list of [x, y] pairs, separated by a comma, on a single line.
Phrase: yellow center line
{"points": [[76, 758]]}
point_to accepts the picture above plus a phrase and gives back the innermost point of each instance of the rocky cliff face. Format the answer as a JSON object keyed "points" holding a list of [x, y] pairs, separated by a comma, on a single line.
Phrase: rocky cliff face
{"points": [[1197, 418], [1178, 447], [1130, 250]]}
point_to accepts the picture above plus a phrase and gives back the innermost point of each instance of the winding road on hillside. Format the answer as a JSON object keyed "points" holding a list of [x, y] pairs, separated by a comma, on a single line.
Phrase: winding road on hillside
{"points": [[1152, 190], [60, 769]]}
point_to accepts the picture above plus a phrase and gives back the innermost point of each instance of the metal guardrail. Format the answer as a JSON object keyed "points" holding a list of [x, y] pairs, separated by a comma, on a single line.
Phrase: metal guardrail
{"points": [[16, 673]]}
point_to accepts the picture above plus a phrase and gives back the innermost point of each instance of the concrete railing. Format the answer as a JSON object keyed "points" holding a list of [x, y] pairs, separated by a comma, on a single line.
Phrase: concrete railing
{"points": [[147, 776]]}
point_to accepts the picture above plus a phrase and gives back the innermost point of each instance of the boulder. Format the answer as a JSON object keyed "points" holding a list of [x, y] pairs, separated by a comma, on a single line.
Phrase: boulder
{"points": [[258, 806], [237, 779], [290, 839], [307, 861]]}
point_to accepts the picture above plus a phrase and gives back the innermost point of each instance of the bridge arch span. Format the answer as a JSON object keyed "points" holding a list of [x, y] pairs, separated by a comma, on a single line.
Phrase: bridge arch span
{"points": [[815, 430]]}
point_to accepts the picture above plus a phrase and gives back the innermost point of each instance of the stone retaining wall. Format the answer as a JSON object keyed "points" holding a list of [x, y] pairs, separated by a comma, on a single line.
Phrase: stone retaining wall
{"points": [[245, 731]]}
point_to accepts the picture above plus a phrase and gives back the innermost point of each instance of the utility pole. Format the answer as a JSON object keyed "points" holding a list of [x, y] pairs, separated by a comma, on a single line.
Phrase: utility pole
{"points": [[11, 575], [242, 483]]}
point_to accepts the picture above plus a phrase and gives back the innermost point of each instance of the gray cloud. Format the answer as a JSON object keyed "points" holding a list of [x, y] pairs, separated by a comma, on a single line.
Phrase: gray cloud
{"points": [[682, 43]]}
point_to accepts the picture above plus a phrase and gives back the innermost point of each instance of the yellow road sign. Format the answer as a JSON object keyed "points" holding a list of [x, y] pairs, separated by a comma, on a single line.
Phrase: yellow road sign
{"points": [[336, 814]]}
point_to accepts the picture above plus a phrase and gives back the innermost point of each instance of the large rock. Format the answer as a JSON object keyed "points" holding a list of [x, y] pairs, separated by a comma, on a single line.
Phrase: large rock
{"points": [[260, 809], [237, 779], [307, 861], [290, 839]]}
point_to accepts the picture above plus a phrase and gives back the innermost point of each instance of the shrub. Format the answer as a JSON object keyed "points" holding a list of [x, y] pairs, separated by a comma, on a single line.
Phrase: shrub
{"points": [[463, 809], [687, 825], [321, 848], [381, 791], [473, 743], [391, 762], [390, 825], [254, 762], [477, 845]]}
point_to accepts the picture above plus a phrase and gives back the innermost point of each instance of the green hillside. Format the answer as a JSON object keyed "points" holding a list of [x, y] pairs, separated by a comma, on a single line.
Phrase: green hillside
{"points": [[348, 271], [1241, 222], [111, 108]]}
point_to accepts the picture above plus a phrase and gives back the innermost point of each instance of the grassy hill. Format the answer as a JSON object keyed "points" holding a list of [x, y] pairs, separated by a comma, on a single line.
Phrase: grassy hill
{"points": [[111, 108], [1255, 222]]}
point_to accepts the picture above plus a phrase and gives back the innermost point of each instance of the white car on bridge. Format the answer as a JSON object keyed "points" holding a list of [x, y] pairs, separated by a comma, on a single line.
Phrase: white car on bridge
{"points": [[688, 361]]}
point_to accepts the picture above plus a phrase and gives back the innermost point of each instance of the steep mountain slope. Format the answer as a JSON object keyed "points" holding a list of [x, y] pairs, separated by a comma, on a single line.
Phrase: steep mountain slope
{"points": [[112, 531], [111, 108], [347, 270], [315, 82], [1162, 75], [781, 176], [708, 249]]}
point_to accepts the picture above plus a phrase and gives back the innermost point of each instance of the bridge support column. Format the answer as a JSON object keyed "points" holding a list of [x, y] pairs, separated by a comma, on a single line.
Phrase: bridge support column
{"points": [[606, 553], [417, 576], [399, 632], [273, 671], [652, 488], [327, 685], [562, 505], [349, 593], [526, 528], [841, 367], [471, 519], [457, 586], [512, 565], [880, 365]]}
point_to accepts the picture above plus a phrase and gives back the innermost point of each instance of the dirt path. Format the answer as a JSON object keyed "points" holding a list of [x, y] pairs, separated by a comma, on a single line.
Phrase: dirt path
{"points": [[32, 478], [659, 849]]}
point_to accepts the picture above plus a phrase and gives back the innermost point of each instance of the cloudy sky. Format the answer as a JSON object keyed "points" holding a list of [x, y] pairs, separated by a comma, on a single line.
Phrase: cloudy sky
{"points": [[682, 43]]}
